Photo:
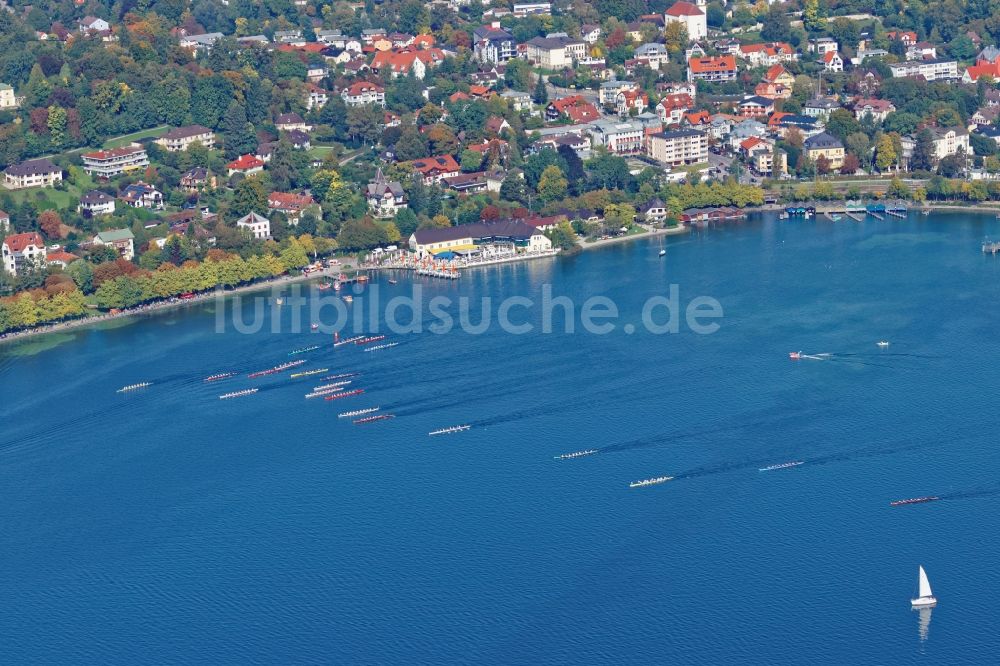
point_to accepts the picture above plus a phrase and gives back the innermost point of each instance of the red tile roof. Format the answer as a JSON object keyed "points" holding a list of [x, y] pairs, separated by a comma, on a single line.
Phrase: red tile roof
{"points": [[18, 242], [245, 163], [774, 72], [441, 163], [289, 201], [684, 9], [726, 63]]}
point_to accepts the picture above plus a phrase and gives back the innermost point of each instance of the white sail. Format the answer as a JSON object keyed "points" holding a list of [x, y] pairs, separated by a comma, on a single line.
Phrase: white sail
{"points": [[925, 585]]}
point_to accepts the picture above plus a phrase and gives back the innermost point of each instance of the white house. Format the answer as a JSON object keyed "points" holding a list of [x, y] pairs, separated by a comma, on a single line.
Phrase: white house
{"points": [[257, 226], [691, 16], [21, 251]]}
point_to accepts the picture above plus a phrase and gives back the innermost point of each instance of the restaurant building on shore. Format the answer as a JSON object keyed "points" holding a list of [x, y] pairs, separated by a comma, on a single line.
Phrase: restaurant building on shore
{"points": [[472, 238]]}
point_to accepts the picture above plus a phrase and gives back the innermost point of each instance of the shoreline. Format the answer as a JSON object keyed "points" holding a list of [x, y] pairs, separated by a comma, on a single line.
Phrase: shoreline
{"points": [[161, 306], [650, 233]]}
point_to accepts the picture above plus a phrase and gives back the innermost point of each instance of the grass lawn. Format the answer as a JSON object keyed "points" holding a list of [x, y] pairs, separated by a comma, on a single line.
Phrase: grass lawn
{"points": [[47, 198], [320, 152], [120, 141]]}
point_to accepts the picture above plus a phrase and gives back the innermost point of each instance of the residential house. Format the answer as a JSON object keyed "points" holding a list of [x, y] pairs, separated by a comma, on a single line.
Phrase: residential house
{"points": [[930, 70], [246, 165], [200, 43], [692, 16], [59, 258], [385, 197], [607, 93], [652, 55], [316, 97], [672, 108], [412, 59], [290, 204], [433, 169], [908, 37], [921, 51], [679, 147], [121, 239], [654, 211], [827, 146], [291, 121], [982, 68], [947, 142], [334, 38], [778, 75], [196, 179], [712, 68], [519, 101], [23, 251], [92, 24], [256, 226], [495, 126], [766, 55], [820, 107], [590, 32], [39, 172], [180, 138], [492, 44], [466, 183], [115, 161], [630, 101], [96, 202], [752, 107], [878, 109], [832, 62], [142, 195], [363, 93], [554, 52], [823, 45], [574, 107], [316, 73]]}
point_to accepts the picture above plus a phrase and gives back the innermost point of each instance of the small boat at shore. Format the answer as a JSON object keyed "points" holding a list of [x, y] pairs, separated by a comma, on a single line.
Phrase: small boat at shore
{"points": [[914, 500], [344, 394], [373, 419], [276, 369], [576, 454], [309, 373], [650, 482], [220, 376], [378, 347], [449, 430], [786, 465], [348, 341], [238, 394], [134, 387], [303, 350], [357, 412]]}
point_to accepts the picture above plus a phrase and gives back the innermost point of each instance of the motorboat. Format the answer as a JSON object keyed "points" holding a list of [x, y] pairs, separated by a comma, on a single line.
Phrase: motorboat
{"points": [[883, 343], [795, 356]]}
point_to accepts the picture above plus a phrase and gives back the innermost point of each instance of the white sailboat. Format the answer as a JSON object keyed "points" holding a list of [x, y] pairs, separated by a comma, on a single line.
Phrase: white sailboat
{"points": [[663, 250], [926, 598]]}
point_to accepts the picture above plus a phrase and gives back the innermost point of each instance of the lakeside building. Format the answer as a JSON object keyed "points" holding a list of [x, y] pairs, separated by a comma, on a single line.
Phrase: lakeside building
{"points": [[23, 251], [32, 173], [825, 145], [469, 238], [121, 239], [620, 138], [116, 161], [180, 138], [947, 141], [679, 147]]}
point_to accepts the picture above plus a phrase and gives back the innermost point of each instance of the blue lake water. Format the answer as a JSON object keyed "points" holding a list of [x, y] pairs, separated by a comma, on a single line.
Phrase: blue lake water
{"points": [[167, 526]]}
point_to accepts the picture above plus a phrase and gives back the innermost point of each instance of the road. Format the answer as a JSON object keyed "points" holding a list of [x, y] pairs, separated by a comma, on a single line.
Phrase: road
{"points": [[555, 93]]}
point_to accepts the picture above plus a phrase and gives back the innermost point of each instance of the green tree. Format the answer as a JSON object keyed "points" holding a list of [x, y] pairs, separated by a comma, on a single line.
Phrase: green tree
{"points": [[552, 186], [923, 151], [885, 152], [249, 195], [471, 161], [541, 94], [238, 133]]}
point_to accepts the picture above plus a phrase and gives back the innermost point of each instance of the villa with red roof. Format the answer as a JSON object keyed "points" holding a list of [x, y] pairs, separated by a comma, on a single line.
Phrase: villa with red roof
{"points": [[574, 107], [22, 251], [713, 68], [289, 203], [433, 169], [245, 164]]}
